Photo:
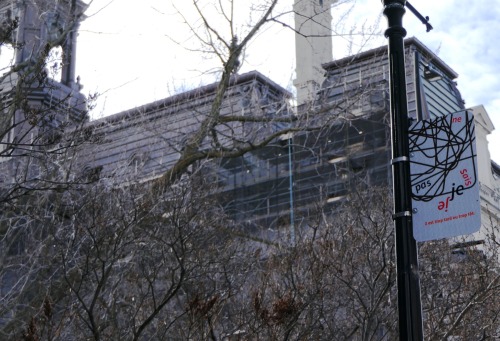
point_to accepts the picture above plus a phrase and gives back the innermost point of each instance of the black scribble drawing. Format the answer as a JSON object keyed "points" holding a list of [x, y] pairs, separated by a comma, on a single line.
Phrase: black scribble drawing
{"points": [[445, 144]]}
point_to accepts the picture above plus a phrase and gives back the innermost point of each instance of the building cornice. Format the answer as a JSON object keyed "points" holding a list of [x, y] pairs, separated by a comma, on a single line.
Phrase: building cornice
{"points": [[190, 95], [382, 51]]}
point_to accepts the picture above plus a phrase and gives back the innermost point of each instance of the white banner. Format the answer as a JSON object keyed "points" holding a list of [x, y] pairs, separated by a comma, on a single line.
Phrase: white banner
{"points": [[444, 177]]}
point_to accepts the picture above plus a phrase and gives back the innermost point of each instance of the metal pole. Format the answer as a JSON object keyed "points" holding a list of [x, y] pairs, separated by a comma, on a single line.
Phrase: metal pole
{"points": [[290, 184], [410, 312]]}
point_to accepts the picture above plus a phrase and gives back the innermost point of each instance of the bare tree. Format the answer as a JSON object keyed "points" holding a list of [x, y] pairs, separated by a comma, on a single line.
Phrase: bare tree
{"points": [[338, 282], [218, 31], [110, 267], [460, 290], [106, 266], [116, 259]]}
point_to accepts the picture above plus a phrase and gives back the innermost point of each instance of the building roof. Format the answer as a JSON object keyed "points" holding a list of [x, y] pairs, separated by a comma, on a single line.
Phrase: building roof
{"points": [[190, 95], [383, 49]]}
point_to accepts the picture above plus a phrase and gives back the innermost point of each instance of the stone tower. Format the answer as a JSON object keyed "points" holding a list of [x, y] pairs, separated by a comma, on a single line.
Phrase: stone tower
{"points": [[34, 107], [313, 45]]}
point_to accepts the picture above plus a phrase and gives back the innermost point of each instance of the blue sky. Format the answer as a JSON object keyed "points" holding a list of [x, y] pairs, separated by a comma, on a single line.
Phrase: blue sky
{"points": [[465, 36]]}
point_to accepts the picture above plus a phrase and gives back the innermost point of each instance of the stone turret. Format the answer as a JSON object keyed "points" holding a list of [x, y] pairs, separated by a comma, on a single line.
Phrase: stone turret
{"points": [[34, 108], [42, 22]]}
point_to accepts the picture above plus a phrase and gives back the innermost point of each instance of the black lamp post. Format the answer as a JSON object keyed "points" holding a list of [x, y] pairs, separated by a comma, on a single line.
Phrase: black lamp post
{"points": [[410, 311]]}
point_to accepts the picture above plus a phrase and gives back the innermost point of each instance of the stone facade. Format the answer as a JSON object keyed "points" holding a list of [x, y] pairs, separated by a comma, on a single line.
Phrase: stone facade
{"points": [[279, 185]]}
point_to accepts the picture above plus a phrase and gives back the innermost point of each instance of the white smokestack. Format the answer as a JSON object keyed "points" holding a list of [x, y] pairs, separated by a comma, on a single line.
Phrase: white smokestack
{"points": [[313, 45]]}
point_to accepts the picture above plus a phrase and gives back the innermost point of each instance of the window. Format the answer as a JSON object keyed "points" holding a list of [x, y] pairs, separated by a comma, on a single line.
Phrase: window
{"points": [[53, 63]]}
